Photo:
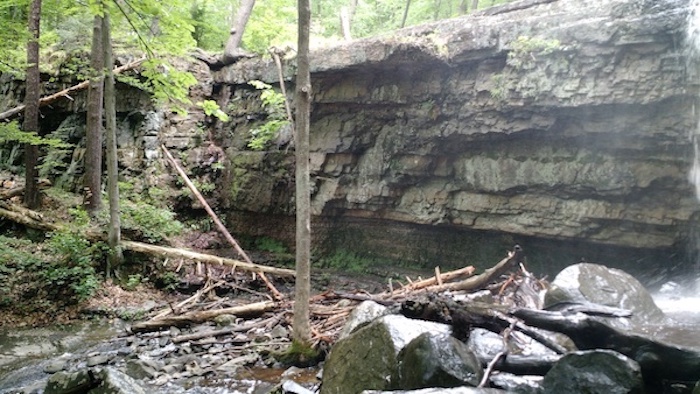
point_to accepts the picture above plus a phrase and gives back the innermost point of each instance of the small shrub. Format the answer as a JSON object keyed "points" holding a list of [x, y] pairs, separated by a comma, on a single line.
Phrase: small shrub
{"points": [[154, 224], [267, 244], [346, 261], [168, 280], [70, 272], [133, 281], [274, 104]]}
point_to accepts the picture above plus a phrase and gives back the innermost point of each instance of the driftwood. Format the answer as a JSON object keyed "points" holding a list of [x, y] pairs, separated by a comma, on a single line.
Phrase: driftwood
{"points": [[65, 92], [218, 222], [435, 283], [490, 275], [254, 309]]}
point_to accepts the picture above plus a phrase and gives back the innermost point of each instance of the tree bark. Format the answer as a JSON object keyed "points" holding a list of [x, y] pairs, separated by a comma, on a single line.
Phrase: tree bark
{"points": [[302, 326], [32, 195], [234, 40], [114, 233], [475, 5], [93, 133]]}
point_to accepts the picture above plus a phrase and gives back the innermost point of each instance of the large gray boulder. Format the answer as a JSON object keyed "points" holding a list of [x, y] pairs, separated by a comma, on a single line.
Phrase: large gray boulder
{"points": [[596, 371], [367, 359], [71, 382], [597, 284], [437, 360]]}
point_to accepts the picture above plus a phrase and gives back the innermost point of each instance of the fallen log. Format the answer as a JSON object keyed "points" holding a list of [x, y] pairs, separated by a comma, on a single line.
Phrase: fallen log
{"points": [[65, 92], [522, 365], [7, 194], [33, 219], [660, 354], [190, 318], [224, 231], [204, 258]]}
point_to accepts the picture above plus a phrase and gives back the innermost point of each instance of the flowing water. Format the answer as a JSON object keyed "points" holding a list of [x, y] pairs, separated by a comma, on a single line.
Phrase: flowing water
{"points": [[680, 297]]}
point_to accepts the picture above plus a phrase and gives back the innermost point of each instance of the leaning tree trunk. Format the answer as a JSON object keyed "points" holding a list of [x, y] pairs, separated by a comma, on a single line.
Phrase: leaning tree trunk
{"points": [[114, 233], [236, 35], [31, 113], [93, 133], [302, 326]]}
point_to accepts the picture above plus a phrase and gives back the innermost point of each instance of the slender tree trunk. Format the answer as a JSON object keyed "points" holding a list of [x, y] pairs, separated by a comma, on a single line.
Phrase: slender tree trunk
{"points": [[463, 7], [93, 137], [346, 15], [405, 13], [234, 39], [114, 233], [475, 5], [302, 326], [32, 195]]}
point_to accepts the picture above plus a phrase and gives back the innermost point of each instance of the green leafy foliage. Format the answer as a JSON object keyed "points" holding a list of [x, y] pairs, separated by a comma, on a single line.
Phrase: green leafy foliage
{"points": [[273, 103], [167, 84], [267, 244], [10, 132], [152, 223], [211, 108], [72, 272], [16, 256], [526, 50], [211, 23]]}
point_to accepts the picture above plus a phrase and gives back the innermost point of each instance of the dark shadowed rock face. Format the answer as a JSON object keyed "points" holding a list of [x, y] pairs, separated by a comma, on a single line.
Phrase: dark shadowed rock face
{"points": [[560, 120]]}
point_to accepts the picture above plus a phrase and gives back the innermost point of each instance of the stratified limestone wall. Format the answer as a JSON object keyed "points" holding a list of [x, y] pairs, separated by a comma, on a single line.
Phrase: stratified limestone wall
{"points": [[562, 120]]}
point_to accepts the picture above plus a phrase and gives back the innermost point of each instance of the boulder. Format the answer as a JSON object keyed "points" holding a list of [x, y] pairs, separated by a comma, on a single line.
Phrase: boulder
{"points": [[93, 380], [437, 360], [367, 359], [527, 384], [364, 313], [71, 382], [588, 283], [116, 382], [595, 371]]}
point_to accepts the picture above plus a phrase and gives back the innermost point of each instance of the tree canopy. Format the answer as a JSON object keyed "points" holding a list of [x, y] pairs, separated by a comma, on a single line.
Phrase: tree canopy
{"points": [[177, 26]]}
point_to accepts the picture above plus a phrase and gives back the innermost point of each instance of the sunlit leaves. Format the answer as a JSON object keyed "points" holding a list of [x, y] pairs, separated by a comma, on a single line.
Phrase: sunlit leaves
{"points": [[10, 132]]}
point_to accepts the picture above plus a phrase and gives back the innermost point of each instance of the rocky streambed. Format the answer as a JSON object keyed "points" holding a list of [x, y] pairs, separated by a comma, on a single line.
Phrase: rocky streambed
{"points": [[403, 346], [226, 355]]}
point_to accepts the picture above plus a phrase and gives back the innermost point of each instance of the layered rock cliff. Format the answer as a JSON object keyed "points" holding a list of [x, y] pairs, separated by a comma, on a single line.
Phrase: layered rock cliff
{"points": [[558, 120]]}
